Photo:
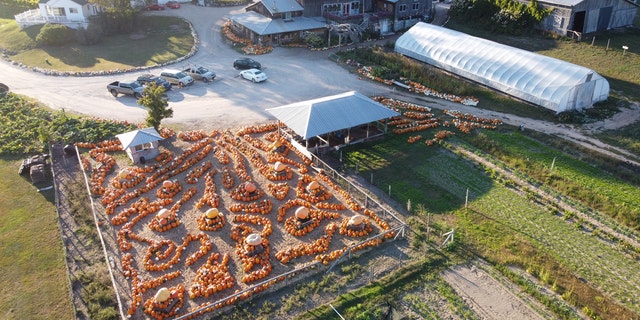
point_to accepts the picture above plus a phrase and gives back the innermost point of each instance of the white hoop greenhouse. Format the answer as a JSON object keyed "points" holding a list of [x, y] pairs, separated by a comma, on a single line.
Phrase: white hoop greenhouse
{"points": [[548, 82]]}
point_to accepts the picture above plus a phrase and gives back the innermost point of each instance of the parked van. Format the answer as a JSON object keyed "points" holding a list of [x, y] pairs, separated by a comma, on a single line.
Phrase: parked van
{"points": [[176, 77]]}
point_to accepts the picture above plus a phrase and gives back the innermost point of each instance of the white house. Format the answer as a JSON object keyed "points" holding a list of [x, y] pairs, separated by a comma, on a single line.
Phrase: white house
{"points": [[72, 13]]}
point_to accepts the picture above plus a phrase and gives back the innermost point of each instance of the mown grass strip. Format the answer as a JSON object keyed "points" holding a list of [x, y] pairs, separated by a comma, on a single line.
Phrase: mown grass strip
{"points": [[32, 267]]}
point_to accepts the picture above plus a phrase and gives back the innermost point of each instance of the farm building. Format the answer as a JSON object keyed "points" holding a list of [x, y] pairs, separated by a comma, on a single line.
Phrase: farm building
{"points": [[334, 120], [141, 145], [274, 22], [576, 17], [551, 83]]}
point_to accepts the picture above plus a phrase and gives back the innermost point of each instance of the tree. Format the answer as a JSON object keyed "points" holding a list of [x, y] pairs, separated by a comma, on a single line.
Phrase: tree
{"points": [[155, 100]]}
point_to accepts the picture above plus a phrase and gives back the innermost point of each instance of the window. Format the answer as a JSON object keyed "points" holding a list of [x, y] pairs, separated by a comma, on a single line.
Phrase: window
{"points": [[57, 12], [403, 8], [73, 10], [143, 146], [415, 6]]}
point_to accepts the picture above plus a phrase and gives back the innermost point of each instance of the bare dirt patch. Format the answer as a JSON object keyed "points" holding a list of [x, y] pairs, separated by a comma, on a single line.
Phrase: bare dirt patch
{"points": [[487, 296]]}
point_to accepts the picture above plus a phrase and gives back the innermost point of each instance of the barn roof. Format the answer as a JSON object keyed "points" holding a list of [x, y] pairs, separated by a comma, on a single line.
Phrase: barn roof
{"points": [[548, 82], [328, 114], [279, 6], [265, 26], [138, 137]]}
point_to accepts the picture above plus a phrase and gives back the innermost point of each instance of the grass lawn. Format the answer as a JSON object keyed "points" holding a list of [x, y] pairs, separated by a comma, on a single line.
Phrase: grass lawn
{"points": [[32, 267], [157, 40], [627, 138]]}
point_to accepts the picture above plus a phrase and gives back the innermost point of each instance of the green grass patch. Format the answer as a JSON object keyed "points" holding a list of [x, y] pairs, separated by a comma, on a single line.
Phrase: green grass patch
{"points": [[627, 138], [362, 303], [14, 39], [156, 40], [579, 179], [427, 176], [32, 267]]}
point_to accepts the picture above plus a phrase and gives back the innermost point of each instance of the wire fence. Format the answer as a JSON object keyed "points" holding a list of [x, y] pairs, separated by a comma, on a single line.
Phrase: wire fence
{"points": [[397, 227]]}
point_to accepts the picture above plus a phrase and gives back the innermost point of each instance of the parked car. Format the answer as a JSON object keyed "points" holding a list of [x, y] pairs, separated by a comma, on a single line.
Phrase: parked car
{"points": [[246, 63], [133, 88], [254, 75], [200, 73], [176, 77], [148, 78], [173, 5], [154, 7]]}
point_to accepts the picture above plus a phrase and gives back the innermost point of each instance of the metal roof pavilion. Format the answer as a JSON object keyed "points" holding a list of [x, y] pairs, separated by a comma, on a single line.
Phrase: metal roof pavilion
{"points": [[332, 113]]}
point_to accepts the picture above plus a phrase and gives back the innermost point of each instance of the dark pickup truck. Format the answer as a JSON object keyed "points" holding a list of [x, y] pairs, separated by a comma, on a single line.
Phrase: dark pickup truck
{"points": [[133, 88]]}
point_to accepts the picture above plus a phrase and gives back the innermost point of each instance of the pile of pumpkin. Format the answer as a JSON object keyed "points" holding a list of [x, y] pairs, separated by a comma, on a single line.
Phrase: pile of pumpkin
{"points": [[310, 190], [212, 277], [210, 197], [262, 207], [306, 220], [212, 220], [356, 226], [246, 192], [318, 246]]}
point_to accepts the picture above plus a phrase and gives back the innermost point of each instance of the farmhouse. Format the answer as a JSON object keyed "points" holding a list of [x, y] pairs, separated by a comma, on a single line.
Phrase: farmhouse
{"points": [[141, 145], [275, 22], [270, 22], [72, 13], [577, 17], [551, 83]]}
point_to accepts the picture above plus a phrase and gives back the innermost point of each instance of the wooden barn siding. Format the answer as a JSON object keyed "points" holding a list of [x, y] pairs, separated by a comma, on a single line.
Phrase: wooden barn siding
{"points": [[562, 17], [312, 8]]}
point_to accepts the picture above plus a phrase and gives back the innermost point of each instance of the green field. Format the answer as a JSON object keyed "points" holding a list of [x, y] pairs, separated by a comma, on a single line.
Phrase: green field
{"points": [[503, 225], [157, 40], [33, 272]]}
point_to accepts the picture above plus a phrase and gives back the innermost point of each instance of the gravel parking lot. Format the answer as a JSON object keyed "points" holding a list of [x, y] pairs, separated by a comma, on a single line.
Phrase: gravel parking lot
{"points": [[295, 74]]}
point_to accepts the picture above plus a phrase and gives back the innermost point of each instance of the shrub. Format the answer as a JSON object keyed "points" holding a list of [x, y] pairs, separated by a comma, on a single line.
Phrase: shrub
{"points": [[313, 40], [91, 35], [54, 35]]}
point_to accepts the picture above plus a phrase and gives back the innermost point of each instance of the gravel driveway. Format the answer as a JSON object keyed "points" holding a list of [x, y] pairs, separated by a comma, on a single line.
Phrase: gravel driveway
{"points": [[295, 74]]}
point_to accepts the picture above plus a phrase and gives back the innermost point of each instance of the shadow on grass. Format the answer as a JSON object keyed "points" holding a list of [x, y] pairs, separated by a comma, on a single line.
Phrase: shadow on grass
{"points": [[431, 176]]}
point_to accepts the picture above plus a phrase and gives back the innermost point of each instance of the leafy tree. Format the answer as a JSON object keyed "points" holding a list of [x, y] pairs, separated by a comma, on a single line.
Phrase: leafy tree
{"points": [[503, 16], [156, 101], [55, 35]]}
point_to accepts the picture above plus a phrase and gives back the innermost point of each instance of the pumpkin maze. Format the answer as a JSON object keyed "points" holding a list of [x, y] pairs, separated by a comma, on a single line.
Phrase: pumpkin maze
{"points": [[187, 247]]}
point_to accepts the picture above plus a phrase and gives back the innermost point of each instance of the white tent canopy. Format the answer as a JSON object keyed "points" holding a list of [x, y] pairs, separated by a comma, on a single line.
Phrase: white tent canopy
{"points": [[332, 113], [540, 80]]}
